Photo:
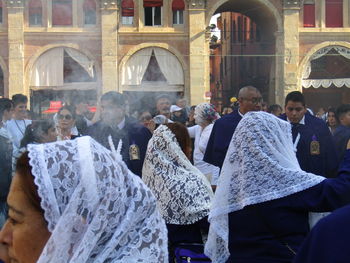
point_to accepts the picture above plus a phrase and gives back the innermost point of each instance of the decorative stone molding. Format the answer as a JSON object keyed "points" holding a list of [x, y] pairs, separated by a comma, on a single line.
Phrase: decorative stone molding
{"points": [[15, 3], [109, 4], [291, 3], [196, 4]]}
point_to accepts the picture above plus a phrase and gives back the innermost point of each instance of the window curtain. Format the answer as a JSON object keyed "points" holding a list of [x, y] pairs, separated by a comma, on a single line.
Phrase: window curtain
{"points": [[178, 5], [135, 68], [82, 60], [309, 15], [152, 3], [170, 66], [62, 13], [334, 13], [89, 5], [127, 8], [48, 69]]}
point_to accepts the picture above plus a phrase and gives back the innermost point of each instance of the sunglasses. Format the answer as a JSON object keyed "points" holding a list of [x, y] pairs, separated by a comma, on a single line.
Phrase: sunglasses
{"points": [[67, 117]]}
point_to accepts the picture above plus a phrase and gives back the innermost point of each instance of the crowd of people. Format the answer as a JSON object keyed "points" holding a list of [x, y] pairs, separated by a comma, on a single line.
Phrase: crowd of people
{"points": [[132, 187]]}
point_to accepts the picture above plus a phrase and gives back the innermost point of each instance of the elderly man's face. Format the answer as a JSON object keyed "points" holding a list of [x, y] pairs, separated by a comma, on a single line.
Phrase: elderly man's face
{"points": [[250, 102], [163, 106]]}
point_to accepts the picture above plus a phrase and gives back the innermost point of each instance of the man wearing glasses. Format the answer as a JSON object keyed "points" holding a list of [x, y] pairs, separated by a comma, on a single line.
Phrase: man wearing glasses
{"points": [[249, 99], [312, 139]]}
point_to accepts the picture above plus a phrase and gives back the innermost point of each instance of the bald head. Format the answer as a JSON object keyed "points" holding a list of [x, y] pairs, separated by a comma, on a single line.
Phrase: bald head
{"points": [[249, 99], [244, 92]]}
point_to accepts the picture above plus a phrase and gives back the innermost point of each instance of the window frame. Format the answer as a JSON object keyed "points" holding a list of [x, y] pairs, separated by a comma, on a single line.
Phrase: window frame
{"points": [[176, 19], [153, 16]]}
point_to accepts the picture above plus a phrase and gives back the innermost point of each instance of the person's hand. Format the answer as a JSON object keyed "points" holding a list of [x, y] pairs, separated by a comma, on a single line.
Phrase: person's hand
{"points": [[348, 145]]}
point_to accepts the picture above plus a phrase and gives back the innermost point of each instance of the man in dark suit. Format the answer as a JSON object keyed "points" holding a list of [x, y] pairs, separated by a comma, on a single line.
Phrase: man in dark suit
{"points": [[342, 133], [114, 122], [249, 99], [312, 139]]}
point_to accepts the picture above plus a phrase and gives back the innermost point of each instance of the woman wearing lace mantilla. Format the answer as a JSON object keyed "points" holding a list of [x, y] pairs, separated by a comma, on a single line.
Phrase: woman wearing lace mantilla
{"points": [[261, 205], [182, 191], [75, 201]]}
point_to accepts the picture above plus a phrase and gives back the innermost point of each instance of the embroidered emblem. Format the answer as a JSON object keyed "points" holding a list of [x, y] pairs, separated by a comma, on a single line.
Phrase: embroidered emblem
{"points": [[314, 146], [134, 152]]}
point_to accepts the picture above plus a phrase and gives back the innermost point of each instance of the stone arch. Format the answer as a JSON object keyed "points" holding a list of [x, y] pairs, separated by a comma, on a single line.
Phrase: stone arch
{"points": [[267, 3], [42, 50], [169, 48], [312, 51]]}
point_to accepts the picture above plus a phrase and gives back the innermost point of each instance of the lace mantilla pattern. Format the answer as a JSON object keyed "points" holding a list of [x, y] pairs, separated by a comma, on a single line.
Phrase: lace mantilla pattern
{"points": [[260, 166], [96, 209], [183, 193]]}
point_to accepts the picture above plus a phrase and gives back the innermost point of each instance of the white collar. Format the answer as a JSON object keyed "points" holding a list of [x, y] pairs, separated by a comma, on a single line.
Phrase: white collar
{"points": [[240, 113], [121, 124], [302, 121]]}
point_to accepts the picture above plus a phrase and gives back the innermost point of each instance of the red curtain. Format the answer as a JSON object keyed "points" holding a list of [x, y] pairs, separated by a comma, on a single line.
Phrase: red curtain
{"points": [[152, 3], [127, 8], [178, 5], [35, 7], [89, 5], [62, 13], [334, 13], [309, 15]]}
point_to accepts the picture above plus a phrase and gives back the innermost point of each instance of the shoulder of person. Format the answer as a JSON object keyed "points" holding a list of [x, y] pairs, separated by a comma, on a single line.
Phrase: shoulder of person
{"points": [[283, 117]]}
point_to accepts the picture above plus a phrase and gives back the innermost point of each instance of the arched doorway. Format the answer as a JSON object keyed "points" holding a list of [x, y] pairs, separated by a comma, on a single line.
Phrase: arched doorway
{"points": [[149, 72], [246, 49], [326, 77], [61, 74]]}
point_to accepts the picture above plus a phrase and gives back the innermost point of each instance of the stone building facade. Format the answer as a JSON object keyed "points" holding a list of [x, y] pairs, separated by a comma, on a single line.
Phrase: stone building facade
{"points": [[148, 46]]}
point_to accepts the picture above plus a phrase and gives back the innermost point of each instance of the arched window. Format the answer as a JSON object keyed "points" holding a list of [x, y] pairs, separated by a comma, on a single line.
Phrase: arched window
{"points": [[35, 13], [153, 12], [62, 13], [127, 12], [178, 7], [1, 11], [89, 8], [334, 13]]}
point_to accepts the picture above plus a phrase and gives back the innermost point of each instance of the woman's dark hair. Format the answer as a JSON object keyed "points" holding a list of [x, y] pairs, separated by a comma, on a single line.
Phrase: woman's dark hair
{"points": [[35, 131], [24, 172], [69, 108], [182, 137], [5, 104]]}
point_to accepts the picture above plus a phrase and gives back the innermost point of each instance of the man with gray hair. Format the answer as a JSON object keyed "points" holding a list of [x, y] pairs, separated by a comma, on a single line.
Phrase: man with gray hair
{"points": [[249, 99]]}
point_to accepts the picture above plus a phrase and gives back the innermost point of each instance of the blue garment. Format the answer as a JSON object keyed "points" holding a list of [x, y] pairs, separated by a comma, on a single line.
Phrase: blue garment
{"points": [[257, 232], [328, 241], [220, 138], [325, 163], [132, 134], [341, 137]]}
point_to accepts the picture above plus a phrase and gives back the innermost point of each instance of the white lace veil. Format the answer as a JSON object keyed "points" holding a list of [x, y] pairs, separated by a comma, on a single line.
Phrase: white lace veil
{"points": [[96, 209], [260, 165], [183, 192], [205, 112]]}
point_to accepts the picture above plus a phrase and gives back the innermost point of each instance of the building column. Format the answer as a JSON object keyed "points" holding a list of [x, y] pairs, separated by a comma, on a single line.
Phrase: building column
{"points": [[291, 11], [278, 90], [198, 52], [15, 22], [109, 52]]}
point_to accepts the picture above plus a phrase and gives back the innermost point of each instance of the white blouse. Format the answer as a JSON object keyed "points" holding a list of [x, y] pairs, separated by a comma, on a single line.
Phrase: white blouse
{"points": [[201, 137]]}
